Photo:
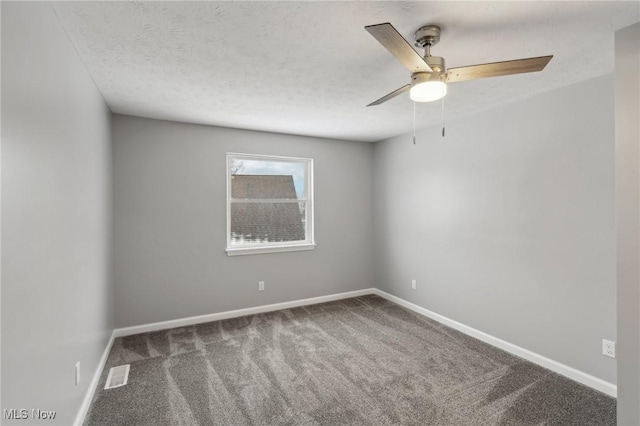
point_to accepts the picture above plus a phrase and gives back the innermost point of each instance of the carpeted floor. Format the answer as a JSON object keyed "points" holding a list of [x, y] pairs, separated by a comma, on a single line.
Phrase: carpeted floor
{"points": [[359, 361]]}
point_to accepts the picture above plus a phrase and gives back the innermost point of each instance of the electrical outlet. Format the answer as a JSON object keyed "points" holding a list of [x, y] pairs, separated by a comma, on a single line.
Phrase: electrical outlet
{"points": [[608, 348], [414, 284], [77, 373], [260, 285]]}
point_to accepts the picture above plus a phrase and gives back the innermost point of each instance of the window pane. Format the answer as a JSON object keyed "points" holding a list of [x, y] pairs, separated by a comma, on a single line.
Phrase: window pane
{"points": [[292, 174], [246, 187], [267, 222]]}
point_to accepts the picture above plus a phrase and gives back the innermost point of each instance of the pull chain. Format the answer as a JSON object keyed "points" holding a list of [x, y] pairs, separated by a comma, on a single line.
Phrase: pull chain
{"points": [[414, 123], [443, 117]]}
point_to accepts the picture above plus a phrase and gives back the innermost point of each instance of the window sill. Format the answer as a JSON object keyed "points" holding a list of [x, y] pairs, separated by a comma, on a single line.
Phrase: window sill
{"points": [[239, 251]]}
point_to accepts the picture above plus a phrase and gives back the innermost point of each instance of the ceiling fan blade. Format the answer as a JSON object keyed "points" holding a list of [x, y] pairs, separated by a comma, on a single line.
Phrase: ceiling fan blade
{"points": [[393, 94], [496, 69], [391, 39]]}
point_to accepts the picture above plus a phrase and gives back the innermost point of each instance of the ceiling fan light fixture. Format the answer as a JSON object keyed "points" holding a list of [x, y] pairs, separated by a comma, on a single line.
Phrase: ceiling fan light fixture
{"points": [[428, 91]]}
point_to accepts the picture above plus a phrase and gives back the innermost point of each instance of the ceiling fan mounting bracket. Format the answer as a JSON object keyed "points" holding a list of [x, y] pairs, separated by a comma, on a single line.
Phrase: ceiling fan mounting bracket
{"points": [[427, 36]]}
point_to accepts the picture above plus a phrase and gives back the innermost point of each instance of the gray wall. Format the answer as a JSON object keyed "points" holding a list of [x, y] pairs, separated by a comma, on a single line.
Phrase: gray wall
{"points": [[170, 222], [507, 224], [57, 304], [627, 90]]}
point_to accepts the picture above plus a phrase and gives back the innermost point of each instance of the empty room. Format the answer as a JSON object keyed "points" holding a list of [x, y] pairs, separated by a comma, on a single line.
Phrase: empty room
{"points": [[320, 213]]}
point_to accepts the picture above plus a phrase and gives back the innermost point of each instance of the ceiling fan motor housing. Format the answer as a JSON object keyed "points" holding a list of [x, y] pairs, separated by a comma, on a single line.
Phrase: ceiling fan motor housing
{"points": [[436, 63], [439, 71], [423, 77]]}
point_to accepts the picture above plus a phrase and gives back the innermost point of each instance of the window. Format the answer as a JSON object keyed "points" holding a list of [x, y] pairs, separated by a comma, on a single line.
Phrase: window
{"points": [[269, 204]]}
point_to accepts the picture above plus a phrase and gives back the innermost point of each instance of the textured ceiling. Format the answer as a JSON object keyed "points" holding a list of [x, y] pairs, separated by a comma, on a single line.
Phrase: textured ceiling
{"points": [[310, 68]]}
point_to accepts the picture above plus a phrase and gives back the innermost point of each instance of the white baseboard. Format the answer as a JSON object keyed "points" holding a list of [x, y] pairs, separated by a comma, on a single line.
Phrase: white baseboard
{"points": [[570, 372], [86, 402], [163, 325]]}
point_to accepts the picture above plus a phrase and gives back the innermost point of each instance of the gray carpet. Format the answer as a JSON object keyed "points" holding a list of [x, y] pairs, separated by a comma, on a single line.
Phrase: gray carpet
{"points": [[359, 361]]}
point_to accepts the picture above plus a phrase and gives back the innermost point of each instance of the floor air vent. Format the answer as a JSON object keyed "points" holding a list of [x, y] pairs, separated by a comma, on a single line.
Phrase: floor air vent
{"points": [[118, 376]]}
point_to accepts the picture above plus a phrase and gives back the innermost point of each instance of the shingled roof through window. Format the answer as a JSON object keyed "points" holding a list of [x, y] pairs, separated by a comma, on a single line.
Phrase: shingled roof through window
{"points": [[265, 222]]}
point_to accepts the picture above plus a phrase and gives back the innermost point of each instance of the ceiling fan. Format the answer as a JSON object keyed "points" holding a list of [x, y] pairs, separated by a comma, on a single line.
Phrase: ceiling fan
{"points": [[429, 76]]}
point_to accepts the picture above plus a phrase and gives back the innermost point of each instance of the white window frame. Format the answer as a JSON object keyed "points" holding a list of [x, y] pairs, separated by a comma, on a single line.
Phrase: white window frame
{"points": [[273, 247]]}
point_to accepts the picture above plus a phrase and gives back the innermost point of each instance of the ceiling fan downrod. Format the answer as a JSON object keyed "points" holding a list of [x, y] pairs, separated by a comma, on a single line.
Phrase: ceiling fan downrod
{"points": [[426, 37]]}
